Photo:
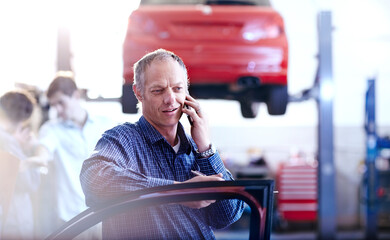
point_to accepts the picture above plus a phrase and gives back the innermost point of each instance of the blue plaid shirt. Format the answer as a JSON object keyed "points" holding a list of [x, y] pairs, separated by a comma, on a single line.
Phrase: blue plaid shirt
{"points": [[136, 156]]}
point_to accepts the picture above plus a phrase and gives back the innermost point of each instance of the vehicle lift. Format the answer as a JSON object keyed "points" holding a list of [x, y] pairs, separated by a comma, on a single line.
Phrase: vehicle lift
{"points": [[322, 91], [371, 181]]}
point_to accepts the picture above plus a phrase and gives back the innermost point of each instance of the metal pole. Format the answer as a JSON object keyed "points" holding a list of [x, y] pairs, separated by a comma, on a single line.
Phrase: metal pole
{"points": [[64, 54], [370, 177], [326, 170]]}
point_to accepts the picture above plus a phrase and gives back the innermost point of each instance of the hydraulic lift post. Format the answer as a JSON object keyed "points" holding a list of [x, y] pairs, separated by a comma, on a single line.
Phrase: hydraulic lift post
{"points": [[64, 54], [326, 170], [371, 176]]}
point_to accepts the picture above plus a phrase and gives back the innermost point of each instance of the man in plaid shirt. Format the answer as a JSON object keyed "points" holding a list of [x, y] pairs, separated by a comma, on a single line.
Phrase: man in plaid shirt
{"points": [[156, 151]]}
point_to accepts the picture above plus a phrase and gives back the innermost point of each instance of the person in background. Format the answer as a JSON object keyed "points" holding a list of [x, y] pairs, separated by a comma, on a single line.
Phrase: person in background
{"points": [[156, 151], [16, 140], [68, 139]]}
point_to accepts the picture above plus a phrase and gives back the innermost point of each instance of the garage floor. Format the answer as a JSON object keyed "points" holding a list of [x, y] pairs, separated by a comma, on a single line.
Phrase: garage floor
{"points": [[347, 235]]}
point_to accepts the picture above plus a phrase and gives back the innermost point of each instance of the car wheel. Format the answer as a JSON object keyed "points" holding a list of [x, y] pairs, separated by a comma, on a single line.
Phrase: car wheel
{"points": [[277, 100], [128, 100], [249, 109]]}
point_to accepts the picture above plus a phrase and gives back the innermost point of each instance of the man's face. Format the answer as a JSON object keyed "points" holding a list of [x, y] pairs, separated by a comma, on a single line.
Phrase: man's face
{"points": [[164, 93], [63, 104]]}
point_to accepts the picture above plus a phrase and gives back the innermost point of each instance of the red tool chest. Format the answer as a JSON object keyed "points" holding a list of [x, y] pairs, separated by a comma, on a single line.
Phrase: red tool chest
{"points": [[297, 192]]}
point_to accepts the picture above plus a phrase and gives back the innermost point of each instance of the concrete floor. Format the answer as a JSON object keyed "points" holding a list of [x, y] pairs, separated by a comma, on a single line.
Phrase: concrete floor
{"points": [[341, 235]]}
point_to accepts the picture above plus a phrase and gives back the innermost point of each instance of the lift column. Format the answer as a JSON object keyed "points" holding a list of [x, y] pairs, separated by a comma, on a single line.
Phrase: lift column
{"points": [[326, 170], [371, 177], [64, 54]]}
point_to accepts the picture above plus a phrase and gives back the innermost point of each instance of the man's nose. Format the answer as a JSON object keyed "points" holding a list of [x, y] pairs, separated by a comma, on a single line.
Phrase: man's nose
{"points": [[169, 97]]}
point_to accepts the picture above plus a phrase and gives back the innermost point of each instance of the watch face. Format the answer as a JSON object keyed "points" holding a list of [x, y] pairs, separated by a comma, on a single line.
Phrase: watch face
{"points": [[208, 153]]}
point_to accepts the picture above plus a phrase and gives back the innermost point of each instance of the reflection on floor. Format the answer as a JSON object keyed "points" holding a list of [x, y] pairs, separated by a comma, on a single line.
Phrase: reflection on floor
{"points": [[302, 231], [345, 235], [292, 231]]}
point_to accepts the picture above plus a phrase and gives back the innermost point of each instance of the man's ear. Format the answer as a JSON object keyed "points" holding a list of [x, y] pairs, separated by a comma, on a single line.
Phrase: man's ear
{"points": [[137, 94]]}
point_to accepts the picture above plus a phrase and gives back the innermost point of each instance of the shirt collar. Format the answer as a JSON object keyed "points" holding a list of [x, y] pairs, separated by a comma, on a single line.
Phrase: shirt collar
{"points": [[154, 136], [70, 123], [150, 133]]}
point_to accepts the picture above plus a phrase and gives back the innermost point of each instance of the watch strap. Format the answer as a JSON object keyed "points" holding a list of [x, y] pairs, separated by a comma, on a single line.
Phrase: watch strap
{"points": [[208, 153]]}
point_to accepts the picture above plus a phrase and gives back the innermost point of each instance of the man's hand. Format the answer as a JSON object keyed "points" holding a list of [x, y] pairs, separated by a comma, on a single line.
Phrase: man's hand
{"points": [[200, 128], [39, 159], [203, 203], [23, 134]]}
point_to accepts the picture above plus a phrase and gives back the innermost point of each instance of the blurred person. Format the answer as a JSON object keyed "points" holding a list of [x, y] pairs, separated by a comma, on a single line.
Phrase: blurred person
{"points": [[16, 140], [68, 139], [157, 151]]}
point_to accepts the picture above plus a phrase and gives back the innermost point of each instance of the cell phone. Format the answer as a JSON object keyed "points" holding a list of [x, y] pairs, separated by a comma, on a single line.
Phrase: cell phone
{"points": [[188, 116]]}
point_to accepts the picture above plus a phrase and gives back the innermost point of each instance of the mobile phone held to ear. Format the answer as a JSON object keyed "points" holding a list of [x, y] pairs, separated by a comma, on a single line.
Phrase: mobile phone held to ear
{"points": [[188, 117]]}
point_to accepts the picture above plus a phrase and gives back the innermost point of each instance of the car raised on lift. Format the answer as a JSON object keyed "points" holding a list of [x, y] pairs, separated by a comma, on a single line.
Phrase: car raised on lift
{"points": [[233, 49]]}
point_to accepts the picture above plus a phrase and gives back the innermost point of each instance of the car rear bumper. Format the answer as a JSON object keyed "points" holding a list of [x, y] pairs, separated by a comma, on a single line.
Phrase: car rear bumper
{"points": [[212, 64]]}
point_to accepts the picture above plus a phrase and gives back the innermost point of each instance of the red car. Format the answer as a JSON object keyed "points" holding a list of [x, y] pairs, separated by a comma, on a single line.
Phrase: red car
{"points": [[235, 50]]}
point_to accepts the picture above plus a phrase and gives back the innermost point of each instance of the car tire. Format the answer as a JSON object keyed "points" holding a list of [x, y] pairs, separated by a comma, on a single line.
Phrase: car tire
{"points": [[128, 100], [249, 109], [277, 100]]}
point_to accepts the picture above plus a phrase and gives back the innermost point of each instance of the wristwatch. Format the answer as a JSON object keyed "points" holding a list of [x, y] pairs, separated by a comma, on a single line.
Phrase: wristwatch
{"points": [[208, 153]]}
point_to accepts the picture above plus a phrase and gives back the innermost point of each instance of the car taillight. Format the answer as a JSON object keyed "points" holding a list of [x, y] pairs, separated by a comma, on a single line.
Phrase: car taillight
{"points": [[262, 31], [272, 31]]}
